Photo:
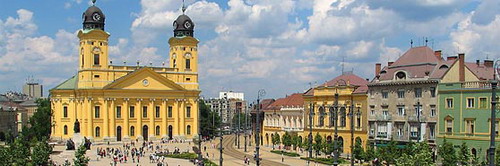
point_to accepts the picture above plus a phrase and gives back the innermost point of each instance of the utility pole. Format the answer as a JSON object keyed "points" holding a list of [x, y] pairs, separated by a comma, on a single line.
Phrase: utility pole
{"points": [[261, 93], [493, 120]]}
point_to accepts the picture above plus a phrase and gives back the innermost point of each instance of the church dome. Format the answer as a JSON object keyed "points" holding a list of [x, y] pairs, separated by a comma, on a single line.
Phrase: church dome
{"points": [[183, 26], [93, 18]]}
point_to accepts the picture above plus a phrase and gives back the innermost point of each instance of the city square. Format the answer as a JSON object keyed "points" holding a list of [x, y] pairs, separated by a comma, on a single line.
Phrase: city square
{"points": [[249, 82]]}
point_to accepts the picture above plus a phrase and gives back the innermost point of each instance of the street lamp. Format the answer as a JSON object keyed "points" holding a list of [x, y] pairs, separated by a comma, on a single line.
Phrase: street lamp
{"points": [[199, 129], [418, 120], [311, 114], [246, 126], [261, 93], [336, 106], [494, 83], [239, 126], [220, 144], [352, 114]]}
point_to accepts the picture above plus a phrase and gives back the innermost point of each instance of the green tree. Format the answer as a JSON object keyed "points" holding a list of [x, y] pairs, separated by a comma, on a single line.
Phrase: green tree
{"points": [[20, 151], [358, 150], [275, 139], [287, 139], [464, 156], [41, 153], [40, 121], [318, 143], [497, 155], [209, 120], [295, 142], [80, 158], [447, 153], [370, 153], [390, 152], [421, 157], [235, 120], [5, 155]]}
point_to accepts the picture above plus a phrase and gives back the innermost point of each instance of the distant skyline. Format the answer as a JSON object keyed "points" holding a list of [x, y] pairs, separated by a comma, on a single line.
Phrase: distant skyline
{"points": [[246, 45]]}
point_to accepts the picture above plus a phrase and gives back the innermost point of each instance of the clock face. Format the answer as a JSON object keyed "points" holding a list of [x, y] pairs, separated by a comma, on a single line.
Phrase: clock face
{"points": [[188, 56], [96, 16], [175, 24], [145, 82], [187, 24]]}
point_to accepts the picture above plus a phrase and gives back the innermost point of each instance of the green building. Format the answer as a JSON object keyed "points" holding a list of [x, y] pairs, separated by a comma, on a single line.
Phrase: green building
{"points": [[465, 104]]}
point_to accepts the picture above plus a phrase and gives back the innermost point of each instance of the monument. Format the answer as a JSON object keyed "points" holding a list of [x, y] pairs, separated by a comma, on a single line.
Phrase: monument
{"points": [[77, 137]]}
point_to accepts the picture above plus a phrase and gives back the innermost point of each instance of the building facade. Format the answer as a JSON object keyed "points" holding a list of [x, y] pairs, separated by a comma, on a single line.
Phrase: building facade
{"points": [[284, 115], [352, 100], [403, 98], [465, 105], [117, 102], [228, 105]]}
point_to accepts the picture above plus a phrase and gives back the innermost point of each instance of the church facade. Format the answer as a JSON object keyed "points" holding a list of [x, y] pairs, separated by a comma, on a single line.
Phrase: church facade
{"points": [[110, 102]]}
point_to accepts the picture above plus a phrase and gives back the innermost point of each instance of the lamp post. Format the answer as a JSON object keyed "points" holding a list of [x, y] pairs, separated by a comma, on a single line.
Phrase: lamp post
{"points": [[311, 114], [220, 144], [352, 115], [335, 136], [261, 93], [246, 127], [494, 84], [239, 127], [199, 129], [418, 120]]}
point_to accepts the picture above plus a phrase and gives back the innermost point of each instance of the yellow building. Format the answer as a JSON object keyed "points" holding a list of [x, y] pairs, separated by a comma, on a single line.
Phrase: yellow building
{"points": [[351, 89], [118, 102]]}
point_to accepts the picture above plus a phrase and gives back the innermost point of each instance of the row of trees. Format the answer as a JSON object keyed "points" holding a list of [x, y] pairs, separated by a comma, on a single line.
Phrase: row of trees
{"points": [[450, 156]]}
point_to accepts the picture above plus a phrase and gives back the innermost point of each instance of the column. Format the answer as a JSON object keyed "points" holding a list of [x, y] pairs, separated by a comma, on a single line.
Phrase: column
{"points": [[151, 116], [175, 111], [163, 114], [83, 117], [90, 131], [112, 117], [195, 127], [138, 115], [182, 117], [125, 115], [105, 114]]}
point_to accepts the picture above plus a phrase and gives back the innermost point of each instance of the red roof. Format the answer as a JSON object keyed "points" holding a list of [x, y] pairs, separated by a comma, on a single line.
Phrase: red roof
{"points": [[482, 72], [294, 100], [344, 79]]}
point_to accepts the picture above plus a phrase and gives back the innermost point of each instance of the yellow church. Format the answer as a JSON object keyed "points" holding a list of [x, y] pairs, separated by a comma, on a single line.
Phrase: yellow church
{"points": [[118, 102]]}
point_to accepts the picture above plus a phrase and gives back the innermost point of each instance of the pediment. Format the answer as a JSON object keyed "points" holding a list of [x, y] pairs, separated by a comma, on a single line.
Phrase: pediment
{"points": [[144, 79]]}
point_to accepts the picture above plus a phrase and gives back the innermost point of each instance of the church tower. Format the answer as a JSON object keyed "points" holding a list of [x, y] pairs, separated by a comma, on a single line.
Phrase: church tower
{"points": [[93, 55], [183, 46]]}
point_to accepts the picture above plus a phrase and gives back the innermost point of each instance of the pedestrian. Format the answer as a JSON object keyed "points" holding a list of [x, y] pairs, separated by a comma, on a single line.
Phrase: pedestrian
{"points": [[282, 158]]}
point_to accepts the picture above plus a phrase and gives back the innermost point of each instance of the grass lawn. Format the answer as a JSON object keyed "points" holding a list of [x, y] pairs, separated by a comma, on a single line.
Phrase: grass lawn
{"points": [[291, 154]]}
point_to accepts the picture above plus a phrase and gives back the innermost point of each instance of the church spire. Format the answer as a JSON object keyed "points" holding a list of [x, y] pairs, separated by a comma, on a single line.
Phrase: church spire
{"points": [[183, 7]]}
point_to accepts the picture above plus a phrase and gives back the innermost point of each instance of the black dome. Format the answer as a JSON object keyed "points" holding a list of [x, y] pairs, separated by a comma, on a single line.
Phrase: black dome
{"points": [[183, 26], [93, 18]]}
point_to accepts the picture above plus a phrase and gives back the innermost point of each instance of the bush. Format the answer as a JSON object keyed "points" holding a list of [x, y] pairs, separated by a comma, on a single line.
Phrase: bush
{"points": [[182, 156], [328, 161], [291, 154], [2, 136]]}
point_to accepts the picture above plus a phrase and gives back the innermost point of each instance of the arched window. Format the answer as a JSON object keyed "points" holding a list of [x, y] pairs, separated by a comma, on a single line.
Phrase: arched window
{"points": [[332, 116], [96, 59], [342, 117], [321, 116], [157, 130], [83, 58], [97, 132], [188, 63], [65, 130], [340, 144], [132, 130], [188, 130], [443, 67], [400, 75]]}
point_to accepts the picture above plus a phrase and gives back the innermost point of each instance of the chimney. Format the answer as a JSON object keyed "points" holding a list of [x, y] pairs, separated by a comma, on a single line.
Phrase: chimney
{"points": [[438, 54], [377, 69], [461, 67], [451, 58], [389, 63], [477, 62], [488, 63]]}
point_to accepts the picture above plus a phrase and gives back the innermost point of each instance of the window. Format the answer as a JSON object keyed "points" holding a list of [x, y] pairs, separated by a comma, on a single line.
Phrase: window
{"points": [[188, 130], [342, 117], [433, 91], [358, 121], [401, 93], [118, 112], [97, 132], [414, 131], [65, 130], [432, 132], [97, 111], [321, 119], [372, 112], [175, 64], [188, 63], [188, 112], [385, 94], [144, 111], [385, 113], [96, 76], [157, 131], [470, 102], [157, 111], [169, 111], [382, 130], [401, 132], [96, 59], [483, 103], [449, 103], [433, 110], [65, 111], [401, 110], [418, 110], [132, 111], [132, 130], [469, 126], [418, 92], [449, 126]]}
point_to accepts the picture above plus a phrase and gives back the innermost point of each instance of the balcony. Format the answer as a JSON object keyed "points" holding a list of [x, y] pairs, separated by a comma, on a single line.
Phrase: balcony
{"points": [[383, 117], [476, 85]]}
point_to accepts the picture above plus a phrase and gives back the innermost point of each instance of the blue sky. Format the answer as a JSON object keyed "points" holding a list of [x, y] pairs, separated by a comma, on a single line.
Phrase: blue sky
{"points": [[246, 45]]}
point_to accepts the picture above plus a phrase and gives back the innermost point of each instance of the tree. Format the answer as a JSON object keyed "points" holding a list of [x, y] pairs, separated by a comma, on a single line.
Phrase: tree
{"points": [[390, 152], [287, 139], [41, 153], [80, 158], [497, 155], [295, 141], [209, 120], [5, 155], [464, 156], [241, 117], [318, 143], [447, 153], [421, 157], [275, 139], [20, 151], [40, 121], [358, 151], [370, 152]]}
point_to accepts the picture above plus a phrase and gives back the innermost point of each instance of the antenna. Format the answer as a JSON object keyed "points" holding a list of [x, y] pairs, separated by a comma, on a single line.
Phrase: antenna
{"points": [[426, 41], [411, 43]]}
